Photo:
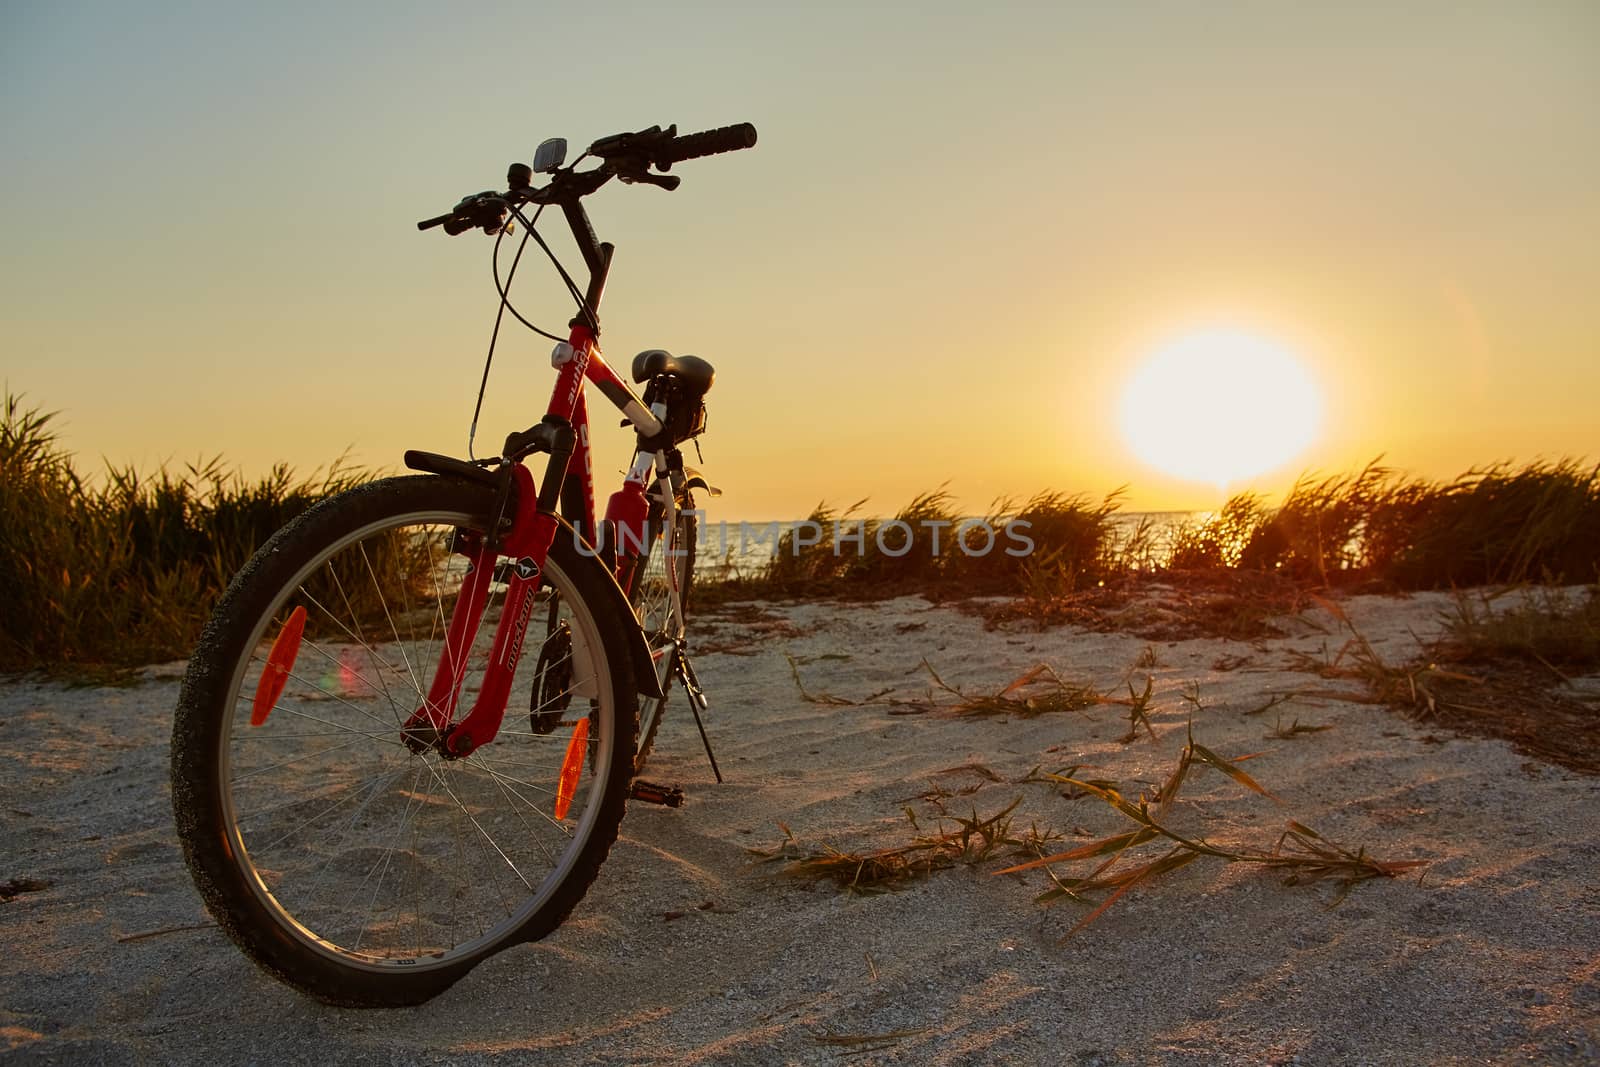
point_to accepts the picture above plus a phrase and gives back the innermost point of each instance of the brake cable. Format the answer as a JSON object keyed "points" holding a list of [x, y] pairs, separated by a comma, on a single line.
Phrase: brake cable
{"points": [[529, 231]]}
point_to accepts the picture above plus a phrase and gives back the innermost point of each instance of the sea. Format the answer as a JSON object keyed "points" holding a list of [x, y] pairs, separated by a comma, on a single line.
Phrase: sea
{"points": [[728, 549]]}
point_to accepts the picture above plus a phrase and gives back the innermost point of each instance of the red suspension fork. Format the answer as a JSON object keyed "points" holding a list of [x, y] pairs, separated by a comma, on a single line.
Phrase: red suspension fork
{"points": [[440, 706], [533, 530]]}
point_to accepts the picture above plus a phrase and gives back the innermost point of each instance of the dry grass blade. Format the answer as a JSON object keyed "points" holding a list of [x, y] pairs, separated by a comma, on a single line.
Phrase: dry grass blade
{"points": [[1065, 780], [1310, 857], [1178, 857], [1205, 755], [1304, 855], [972, 841], [1137, 705], [1174, 782], [825, 699], [1104, 847], [145, 935], [1272, 701], [1295, 730], [1037, 691]]}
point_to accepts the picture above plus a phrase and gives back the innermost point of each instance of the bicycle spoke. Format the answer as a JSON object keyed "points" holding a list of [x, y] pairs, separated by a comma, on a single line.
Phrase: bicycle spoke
{"points": [[412, 804], [481, 831], [507, 792], [352, 791], [285, 709], [319, 874], [360, 641], [393, 630], [297, 759]]}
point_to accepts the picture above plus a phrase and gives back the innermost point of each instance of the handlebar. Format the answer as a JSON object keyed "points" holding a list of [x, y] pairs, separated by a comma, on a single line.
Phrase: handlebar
{"points": [[708, 143], [628, 156]]}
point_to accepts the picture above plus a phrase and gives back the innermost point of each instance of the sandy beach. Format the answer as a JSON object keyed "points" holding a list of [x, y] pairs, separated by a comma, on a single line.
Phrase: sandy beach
{"points": [[690, 950]]}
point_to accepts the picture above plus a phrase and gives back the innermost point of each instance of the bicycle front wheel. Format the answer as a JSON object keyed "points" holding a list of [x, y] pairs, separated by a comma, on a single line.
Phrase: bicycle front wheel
{"points": [[668, 562], [342, 861]]}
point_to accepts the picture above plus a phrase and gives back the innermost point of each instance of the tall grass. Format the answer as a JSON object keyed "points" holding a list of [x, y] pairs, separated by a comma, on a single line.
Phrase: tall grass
{"points": [[1074, 546], [1497, 524], [1374, 528], [1220, 540], [125, 572], [928, 546]]}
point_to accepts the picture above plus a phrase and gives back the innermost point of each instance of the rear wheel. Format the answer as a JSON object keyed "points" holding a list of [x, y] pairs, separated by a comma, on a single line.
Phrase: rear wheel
{"points": [[342, 861], [669, 559]]}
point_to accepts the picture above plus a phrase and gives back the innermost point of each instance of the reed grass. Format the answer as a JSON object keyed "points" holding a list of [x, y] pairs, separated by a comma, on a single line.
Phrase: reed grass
{"points": [[120, 570], [124, 572], [1492, 525], [1496, 672], [928, 547], [1074, 547], [1220, 540], [1374, 528]]}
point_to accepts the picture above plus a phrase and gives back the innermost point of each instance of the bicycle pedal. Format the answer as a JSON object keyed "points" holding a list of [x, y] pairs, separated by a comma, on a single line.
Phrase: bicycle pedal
{"points": [[669, 795]]}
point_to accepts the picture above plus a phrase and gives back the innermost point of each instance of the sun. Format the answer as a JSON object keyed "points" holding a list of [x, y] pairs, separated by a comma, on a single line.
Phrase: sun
{"points": [[1220, 406]]}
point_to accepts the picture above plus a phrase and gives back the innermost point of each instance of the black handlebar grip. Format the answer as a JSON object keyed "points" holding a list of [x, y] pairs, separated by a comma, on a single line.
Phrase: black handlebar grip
{"points": [[709, 143], [428, 224]]}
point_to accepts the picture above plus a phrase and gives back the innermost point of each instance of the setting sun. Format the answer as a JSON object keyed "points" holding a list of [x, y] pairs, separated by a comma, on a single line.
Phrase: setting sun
{"points": [[1219, 407]]}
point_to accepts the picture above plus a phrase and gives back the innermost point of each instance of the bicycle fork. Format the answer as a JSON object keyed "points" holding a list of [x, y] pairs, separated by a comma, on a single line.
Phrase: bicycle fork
{"points": [[528, 542]]}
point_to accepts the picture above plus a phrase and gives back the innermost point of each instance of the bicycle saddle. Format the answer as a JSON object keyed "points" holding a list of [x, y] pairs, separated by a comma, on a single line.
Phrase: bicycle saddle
{"points": [[695, 372]]}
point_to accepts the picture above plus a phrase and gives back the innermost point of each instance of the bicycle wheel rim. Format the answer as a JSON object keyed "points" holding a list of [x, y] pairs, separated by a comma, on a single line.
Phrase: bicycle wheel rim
{"points": [[427, 858]]}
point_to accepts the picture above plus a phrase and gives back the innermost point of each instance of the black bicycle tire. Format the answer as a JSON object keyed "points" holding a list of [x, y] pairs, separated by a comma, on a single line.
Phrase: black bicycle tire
{"points": [[650, 723], [198, 733]]}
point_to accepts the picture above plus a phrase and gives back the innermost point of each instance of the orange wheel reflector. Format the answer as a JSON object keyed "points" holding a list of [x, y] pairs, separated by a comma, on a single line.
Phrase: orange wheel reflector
{"points": [[572, 767], [280, 661]]}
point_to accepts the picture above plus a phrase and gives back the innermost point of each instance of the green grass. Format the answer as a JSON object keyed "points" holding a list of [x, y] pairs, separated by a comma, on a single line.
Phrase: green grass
{"points": [[124, 572]]}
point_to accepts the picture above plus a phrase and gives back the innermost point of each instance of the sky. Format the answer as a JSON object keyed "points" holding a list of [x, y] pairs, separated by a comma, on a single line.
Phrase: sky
{"points": [[964, 230]]}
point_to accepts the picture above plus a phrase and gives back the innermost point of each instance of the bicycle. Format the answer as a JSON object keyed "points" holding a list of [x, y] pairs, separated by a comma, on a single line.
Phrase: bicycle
{"points": [[368, 832]]}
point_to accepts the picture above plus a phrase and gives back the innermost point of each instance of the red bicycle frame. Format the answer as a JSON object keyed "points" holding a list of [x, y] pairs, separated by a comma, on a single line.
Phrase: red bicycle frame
{"points": [[534, 527]]}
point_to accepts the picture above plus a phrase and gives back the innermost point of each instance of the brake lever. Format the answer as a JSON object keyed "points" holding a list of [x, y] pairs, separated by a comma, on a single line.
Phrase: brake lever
{"points": [[485, 211], [668, 182]]}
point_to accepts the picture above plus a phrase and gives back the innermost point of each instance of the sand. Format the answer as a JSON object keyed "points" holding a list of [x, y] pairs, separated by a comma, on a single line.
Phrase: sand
{"points": [[689, 951]]}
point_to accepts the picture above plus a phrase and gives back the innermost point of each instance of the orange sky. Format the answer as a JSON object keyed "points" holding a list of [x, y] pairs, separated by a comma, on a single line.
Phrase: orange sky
{"points": [[962, 230]]}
